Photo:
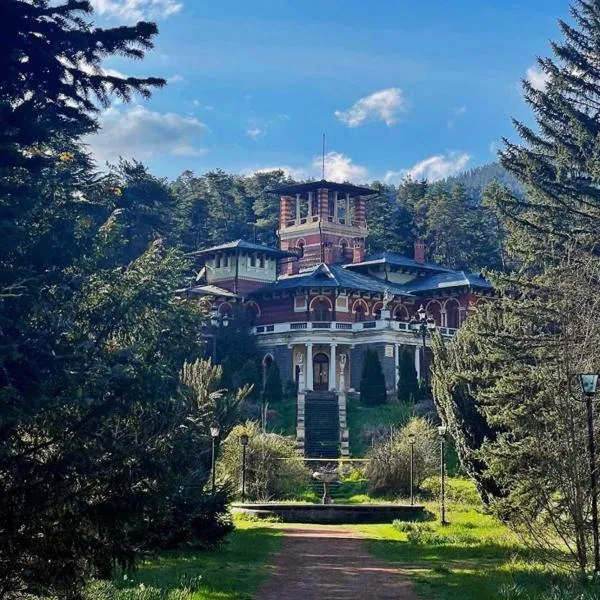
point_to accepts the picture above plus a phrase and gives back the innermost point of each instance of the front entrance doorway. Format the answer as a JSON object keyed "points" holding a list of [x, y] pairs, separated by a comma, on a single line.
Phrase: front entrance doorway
{"points": [[321, 372]]}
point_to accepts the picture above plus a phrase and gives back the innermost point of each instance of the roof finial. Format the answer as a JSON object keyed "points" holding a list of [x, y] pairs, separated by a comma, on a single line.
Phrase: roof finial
{"points": [[323, 170]]}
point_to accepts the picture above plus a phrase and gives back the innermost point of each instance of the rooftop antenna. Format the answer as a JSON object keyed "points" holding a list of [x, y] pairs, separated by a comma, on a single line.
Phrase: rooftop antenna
{"points": [[323, 169]]}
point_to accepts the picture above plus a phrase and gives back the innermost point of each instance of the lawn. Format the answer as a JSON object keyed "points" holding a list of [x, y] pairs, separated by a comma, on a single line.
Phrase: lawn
{"points": [[233, 571]]}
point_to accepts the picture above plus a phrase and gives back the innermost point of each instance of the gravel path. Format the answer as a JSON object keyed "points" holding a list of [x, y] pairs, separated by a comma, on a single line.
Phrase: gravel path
{"points": [[331, 564]]}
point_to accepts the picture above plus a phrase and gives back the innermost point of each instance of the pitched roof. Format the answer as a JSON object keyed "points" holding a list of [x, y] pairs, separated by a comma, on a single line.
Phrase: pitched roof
{"points": [[208, 290], [450, 279], [242, 245], [311, 186], [332, 276], [391, 258]]}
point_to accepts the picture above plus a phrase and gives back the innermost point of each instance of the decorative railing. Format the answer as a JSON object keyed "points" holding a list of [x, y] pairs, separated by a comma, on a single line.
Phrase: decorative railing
{"points": [[379, 325]]}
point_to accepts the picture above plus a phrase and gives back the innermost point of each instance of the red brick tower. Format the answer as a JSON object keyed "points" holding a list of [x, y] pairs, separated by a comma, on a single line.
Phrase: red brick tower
{"points": [[325, 219]]}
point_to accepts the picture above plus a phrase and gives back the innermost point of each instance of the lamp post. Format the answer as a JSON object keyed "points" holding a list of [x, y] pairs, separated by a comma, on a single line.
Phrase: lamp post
{"points": [[244, 439], [589, 385], [411, 441], [216, 320], [214, 434], [442, 433], [421, 327]]}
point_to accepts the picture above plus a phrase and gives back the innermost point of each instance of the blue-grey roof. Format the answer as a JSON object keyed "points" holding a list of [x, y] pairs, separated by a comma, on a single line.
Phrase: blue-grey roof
{"points": [[243, 245], [450, 279], [391, 258], [333, 276]]}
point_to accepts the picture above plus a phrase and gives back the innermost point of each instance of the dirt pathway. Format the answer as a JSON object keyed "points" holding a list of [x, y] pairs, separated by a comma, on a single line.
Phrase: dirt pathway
{"points": [[331, 564]]}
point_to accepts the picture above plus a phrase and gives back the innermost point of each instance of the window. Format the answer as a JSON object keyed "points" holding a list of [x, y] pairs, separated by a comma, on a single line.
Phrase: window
{"points": [[217, 261], [261, 263], [359, 313], [321, 310], [253, 260]]}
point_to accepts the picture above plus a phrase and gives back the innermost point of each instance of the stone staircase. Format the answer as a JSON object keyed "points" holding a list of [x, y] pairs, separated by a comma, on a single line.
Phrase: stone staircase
{"points": [[322, 425]]}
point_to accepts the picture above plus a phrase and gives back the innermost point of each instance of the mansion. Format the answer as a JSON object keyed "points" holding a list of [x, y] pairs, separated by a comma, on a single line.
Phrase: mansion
{"points": [[318, 302]]}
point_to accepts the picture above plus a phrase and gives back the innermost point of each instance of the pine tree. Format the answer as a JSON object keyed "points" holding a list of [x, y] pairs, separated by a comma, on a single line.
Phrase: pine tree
{"points": [[372, 380], [273, 392], [408, 382], [558, 161]]}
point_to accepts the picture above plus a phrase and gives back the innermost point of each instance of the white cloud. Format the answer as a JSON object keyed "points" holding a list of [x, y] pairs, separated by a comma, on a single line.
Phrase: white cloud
{"points": [[140, 133], [493, 147], [175, 78], [383, 105], [537, 78], [456, 113], [339, 167], [433, 168], [137, 10], [254, 133]]}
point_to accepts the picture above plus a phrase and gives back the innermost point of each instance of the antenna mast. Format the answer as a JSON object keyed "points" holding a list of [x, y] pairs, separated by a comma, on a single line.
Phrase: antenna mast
{"points": [[323, 169]]}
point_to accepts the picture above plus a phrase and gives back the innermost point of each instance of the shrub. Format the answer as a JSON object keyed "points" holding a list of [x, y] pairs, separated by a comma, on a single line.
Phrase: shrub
{"points": [[459, 490], [273, 468], [388, 470], [290, 389], [250, 375], [372, 380]]}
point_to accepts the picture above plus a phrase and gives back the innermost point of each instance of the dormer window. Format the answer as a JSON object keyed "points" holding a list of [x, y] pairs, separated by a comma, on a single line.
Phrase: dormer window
{"points": [[217, 261], [261, 262], [253, 260]]}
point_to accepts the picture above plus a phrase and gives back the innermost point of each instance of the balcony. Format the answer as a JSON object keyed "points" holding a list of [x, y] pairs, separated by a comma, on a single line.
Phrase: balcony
{"points": [[378, 325]]}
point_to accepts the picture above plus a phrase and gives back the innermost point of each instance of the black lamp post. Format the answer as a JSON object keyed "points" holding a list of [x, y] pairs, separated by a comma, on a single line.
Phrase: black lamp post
{"points": [[442, 433], [216, 320], [589, 386], [214, 434], [244, 439], [421, 327], [411, 441]]}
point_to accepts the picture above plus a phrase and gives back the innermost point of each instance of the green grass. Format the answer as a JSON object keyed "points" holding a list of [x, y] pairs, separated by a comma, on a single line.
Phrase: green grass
{"points": [[233, 571], [283, 420], [364, 419], [473, 558]]}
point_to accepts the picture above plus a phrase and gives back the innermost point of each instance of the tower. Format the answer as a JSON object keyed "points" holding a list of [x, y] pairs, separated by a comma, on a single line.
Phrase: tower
{"points": [[323, 219]]}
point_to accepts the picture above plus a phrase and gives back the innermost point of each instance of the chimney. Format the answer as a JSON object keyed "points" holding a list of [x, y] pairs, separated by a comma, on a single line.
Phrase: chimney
{"points": [[358, 255], [328, 253], [420, 251], [293, 267]]}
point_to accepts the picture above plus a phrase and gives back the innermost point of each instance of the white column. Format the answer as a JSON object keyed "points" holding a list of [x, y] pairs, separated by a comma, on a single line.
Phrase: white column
{"points": [[310, 195], [336, 212], [309, 366], [418, 361], [332, 363], [297, 209], [397, 362], [347, 212]]}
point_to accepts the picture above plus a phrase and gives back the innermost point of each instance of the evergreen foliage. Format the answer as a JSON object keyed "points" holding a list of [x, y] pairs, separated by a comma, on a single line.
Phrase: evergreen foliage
{"points": [[508, 388], [250, 376], [408, 383], [372, 380], [273, 392]]}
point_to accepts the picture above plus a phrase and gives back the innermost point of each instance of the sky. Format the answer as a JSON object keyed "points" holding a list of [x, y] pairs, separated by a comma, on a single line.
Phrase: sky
{"points": [[420, 87]]}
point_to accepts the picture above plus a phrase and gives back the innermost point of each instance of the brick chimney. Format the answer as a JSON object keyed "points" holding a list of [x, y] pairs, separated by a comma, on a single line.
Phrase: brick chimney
{"points": [[358, 255], [420, 251]]}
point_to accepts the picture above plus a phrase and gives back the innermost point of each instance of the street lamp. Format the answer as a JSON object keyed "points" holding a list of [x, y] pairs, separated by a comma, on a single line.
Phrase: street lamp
{"points": [[216, 320], [214, 434], [422, 327], [442, 433], [244, 439], [589, 386], [411, 441]]}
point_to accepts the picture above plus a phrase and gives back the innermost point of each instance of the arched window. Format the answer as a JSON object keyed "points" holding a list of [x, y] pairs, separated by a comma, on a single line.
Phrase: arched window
{"points": [[377, 308], [452, 313], [321, 309], [360, 310], [401, 313], [434, 310], [252, 312], [225, 309]]}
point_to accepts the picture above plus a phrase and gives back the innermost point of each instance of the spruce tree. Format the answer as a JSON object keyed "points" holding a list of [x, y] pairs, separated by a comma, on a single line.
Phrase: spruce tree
{"points": [[408, 382], [372, 380], [273, 392]]}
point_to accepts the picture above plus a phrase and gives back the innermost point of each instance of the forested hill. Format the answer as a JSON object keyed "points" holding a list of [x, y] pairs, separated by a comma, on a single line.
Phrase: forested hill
{"points": [[198, 211], [477, 179]]}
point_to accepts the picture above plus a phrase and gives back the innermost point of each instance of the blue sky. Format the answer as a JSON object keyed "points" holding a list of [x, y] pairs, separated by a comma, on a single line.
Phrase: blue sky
{"points": [[426, 87]]}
